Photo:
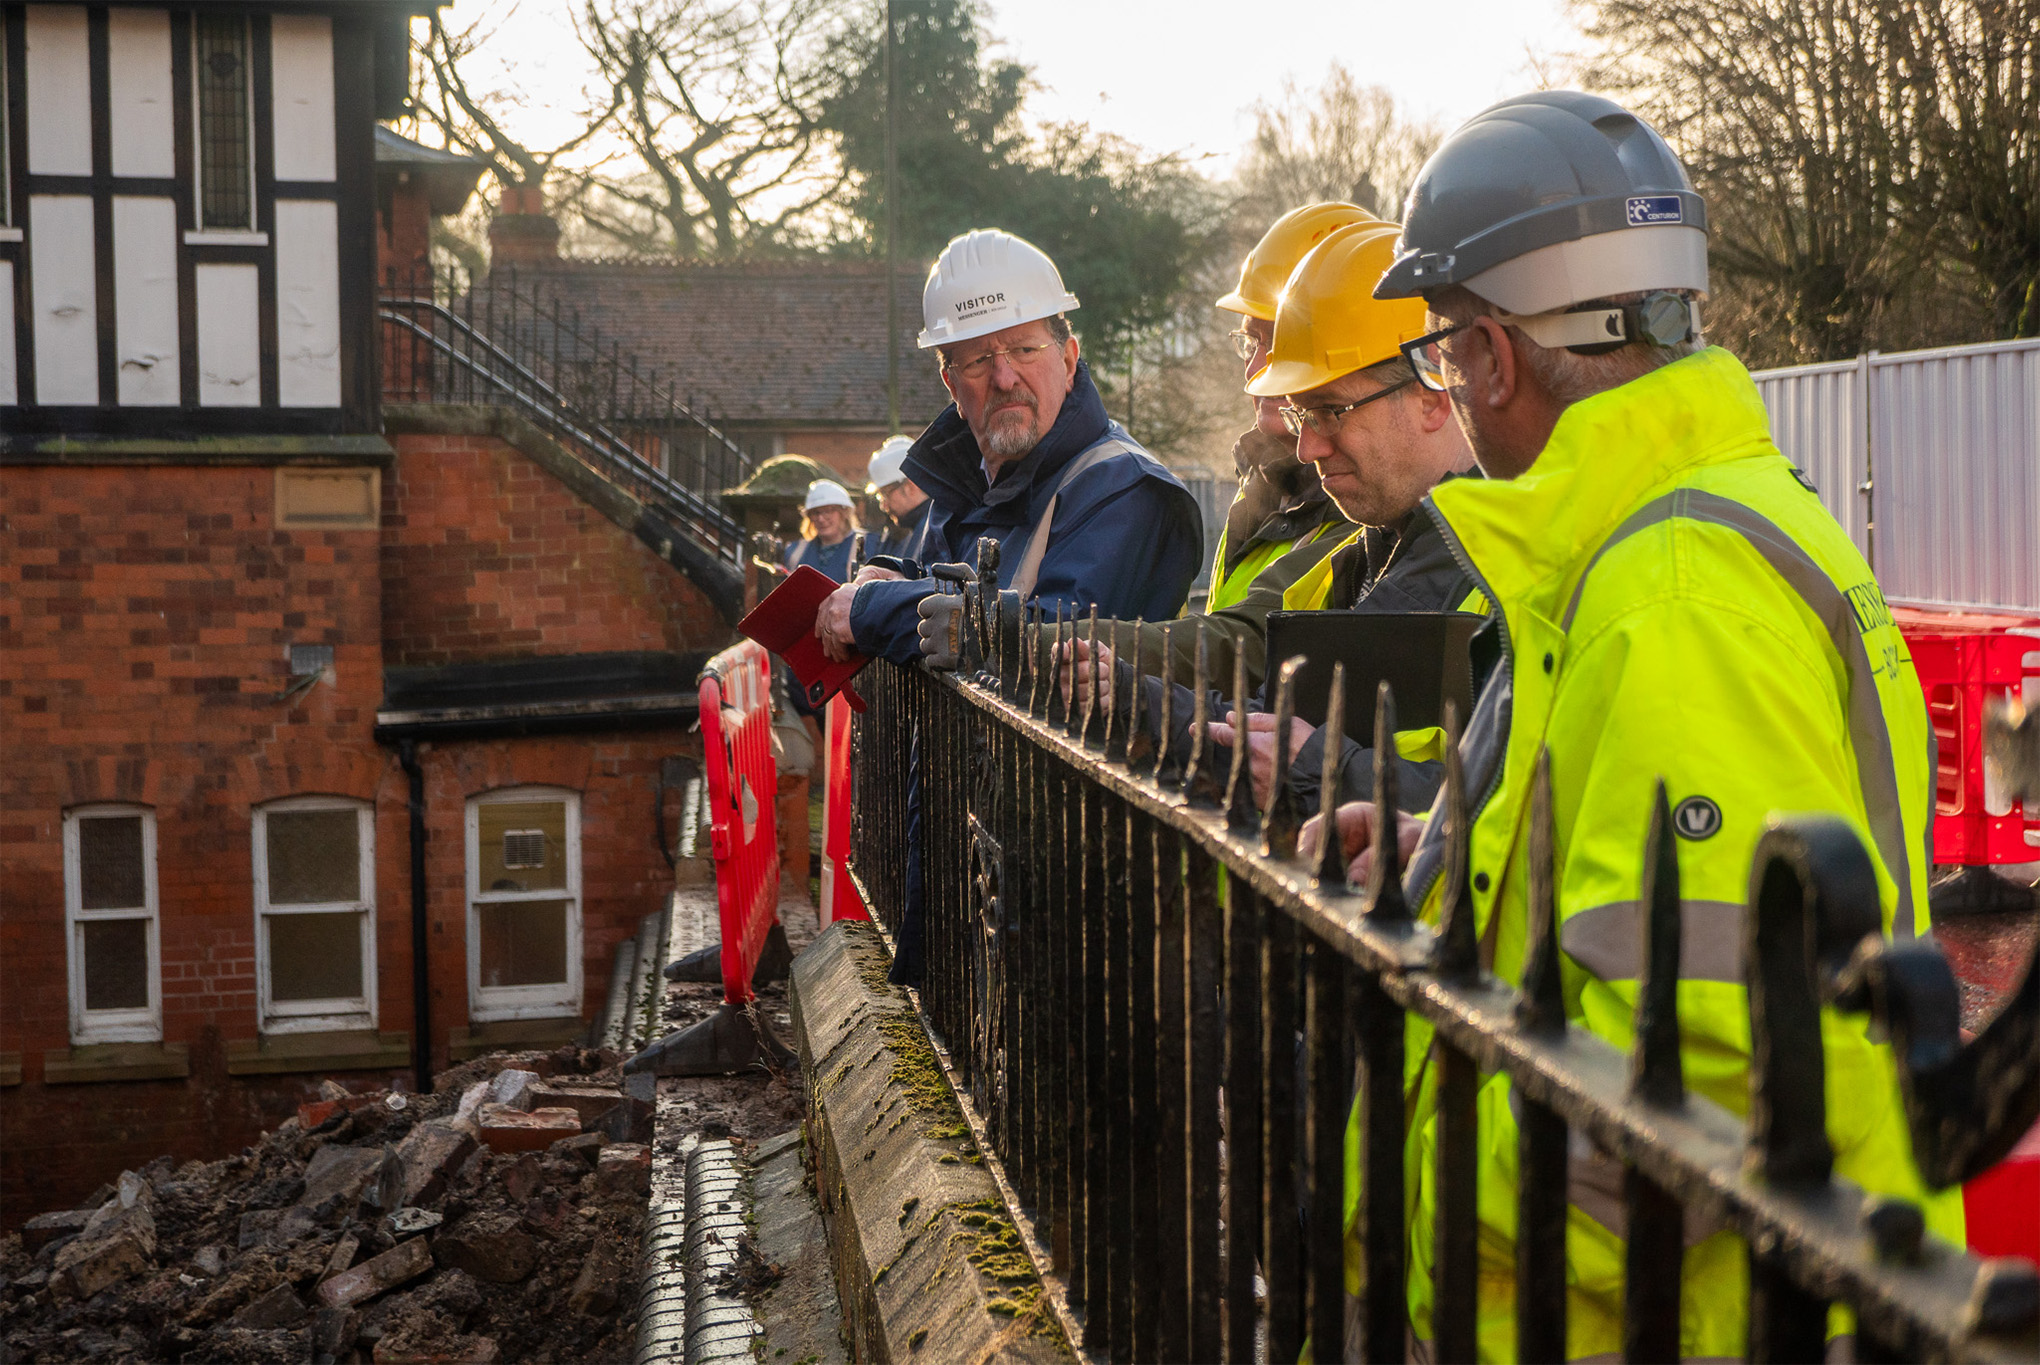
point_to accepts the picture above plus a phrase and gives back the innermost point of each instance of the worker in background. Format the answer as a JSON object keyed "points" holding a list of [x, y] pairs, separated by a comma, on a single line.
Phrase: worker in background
{"points": [[1281, 523], [1026, 456], [1377, 440], [901, 500], [825, 528], [1674, 603]]}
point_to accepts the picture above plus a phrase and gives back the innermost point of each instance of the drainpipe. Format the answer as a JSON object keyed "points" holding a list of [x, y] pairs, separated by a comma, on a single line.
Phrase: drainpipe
{"points": [[421, 983]]}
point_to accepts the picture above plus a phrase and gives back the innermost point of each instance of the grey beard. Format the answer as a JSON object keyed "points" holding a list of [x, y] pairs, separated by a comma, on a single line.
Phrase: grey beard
{"points": [[1011, 443]]}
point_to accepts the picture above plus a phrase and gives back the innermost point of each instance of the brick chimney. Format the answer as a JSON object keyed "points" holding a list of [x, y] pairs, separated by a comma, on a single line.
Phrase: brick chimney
{"points": [[522, 232]]}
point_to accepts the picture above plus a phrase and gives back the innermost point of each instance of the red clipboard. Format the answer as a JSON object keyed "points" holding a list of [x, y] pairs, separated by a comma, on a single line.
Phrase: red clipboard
{"points": [[785, 624]]}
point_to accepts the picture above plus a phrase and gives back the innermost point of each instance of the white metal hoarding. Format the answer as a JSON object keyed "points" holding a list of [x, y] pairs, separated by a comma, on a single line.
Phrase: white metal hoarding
{"points": [[1948, 442]]}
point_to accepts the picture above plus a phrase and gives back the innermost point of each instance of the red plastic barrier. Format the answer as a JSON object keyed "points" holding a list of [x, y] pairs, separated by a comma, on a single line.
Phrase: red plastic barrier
{"points": [[743, 790], [1961, 670], [839, 893], [2003, 1204]]}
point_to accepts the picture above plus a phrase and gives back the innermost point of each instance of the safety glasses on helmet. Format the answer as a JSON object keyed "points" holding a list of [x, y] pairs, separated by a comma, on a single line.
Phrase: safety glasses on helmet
{"points": [[1423, 356]]}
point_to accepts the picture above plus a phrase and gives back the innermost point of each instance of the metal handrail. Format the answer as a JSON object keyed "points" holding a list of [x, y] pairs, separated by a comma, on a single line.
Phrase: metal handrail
{"points": [[603, 450], [1147, 993]]}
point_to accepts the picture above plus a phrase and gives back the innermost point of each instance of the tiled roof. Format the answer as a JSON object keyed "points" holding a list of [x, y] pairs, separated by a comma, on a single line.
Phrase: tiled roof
{"points": [[779, 342]]}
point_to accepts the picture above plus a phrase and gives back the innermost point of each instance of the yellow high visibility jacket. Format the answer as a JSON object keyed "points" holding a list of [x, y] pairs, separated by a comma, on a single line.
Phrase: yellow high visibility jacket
{"points": [[1676, 602], [1230, 586]]}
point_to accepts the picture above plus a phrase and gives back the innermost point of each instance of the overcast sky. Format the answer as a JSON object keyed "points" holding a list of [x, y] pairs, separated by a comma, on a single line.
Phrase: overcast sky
{"points": [[1183, 77], [1176, 77]]}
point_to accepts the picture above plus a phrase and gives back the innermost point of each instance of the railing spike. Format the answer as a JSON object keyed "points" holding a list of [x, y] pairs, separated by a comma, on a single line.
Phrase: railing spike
{"points": [[1030, 649], [1136, 700], [1386, 903], [1200, 716], [1241, 811], [1331, 855], [1458, 945], [1542, 1006], [1658, 1073], [1091, 665], [1106, 689], [1067, 648], [1167, 715], [1282, 821]]}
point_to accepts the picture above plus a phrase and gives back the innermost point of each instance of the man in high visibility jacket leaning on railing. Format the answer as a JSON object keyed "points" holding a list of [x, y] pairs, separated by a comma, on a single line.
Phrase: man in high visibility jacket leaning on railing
{"points": [[1379, 440], [1674, 603]]}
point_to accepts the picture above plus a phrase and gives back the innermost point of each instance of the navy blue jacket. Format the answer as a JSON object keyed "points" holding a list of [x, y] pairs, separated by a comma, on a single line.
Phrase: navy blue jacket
{"points": [[833, 560], [1127, 534]]}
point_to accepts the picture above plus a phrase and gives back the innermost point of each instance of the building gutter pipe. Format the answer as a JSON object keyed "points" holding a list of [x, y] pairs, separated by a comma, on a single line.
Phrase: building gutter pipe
{"points": [[421, 980]]}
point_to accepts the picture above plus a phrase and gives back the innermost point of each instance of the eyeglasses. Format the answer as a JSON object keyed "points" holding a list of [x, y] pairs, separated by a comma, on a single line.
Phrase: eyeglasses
{"points": [[1423, 356], [1244, 342], [1325, 420], [978, 366]]}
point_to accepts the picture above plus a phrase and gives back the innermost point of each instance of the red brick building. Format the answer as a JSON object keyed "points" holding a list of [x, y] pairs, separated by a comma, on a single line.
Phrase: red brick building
{"points": [[335, 734]]}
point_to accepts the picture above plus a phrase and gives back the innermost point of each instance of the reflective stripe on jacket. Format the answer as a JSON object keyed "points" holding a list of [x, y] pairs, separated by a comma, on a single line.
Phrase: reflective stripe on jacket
{"points": [[1675, 604]]}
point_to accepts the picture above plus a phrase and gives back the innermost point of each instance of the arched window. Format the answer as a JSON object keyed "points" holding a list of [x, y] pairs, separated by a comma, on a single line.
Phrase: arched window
{"points": [[110, 909], [315, 914], [524, 903]]}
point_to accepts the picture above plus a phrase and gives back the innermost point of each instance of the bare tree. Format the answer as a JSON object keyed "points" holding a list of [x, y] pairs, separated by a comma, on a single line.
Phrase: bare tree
{"points": [[721, 101], [1984, 143], [1853, 153], [1341, 140], [477, 121]]}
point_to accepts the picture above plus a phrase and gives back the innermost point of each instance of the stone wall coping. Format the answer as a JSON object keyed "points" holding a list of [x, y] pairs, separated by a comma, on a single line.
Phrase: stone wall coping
{"points": [[925, 1249]]}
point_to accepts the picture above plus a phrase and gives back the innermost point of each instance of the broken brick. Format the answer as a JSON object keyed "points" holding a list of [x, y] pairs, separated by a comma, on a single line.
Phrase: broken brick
{"points": [[523, 1178], [510, 1130], [624, 1169], [343, 1255], [280, 1307], [430, 1153], [594, 1290], [39, 1231], [514, 1088], [117, 1244], [404, 1261], [590, 1102], [587, 1146]]}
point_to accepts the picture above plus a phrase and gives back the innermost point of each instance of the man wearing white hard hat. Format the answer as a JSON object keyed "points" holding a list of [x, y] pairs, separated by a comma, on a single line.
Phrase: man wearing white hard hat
{"points": [[825, 526], [899, 497], [1026, 455]]}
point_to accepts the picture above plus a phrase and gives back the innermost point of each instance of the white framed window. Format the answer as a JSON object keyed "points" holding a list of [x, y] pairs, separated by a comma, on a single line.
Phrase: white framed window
{"points": [[524, 903], [314, 914], [110, 910]]}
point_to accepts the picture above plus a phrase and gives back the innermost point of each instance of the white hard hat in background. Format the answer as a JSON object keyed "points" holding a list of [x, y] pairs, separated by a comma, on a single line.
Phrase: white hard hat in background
{"points": [[825, 493], [887, 462], [986, 281]]}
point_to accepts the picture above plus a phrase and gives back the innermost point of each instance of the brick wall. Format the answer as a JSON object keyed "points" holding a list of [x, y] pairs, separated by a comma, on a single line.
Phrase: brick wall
{"points": [[486, 556], [848, 453], [147, 613]]}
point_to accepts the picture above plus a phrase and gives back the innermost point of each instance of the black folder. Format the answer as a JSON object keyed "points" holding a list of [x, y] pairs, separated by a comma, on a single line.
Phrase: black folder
{"points": [[1421, 655]]}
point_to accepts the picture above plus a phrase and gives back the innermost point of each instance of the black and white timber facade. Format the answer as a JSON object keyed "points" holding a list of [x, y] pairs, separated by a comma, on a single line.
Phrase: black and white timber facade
{"points": [[187, 216]]}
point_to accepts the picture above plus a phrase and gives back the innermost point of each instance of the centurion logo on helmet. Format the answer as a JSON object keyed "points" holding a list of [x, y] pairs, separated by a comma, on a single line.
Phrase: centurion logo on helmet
{"points": [[986, 281]]}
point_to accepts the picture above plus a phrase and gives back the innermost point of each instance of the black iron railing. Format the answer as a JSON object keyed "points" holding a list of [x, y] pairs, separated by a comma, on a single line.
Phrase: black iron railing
{"points": [[504, 341], [1162, 1018]]}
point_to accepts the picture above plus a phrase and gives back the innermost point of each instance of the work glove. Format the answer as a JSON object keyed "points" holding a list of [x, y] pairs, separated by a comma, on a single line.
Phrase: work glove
{"points": [[941, 630]]}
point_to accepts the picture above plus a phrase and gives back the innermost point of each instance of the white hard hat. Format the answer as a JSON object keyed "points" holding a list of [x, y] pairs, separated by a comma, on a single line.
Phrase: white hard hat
{"points": [[986, 281], [887, 462], [825, 493]]}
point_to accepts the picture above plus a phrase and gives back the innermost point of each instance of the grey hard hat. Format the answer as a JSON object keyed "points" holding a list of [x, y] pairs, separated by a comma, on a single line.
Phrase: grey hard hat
{"points": [[1534, 173]]}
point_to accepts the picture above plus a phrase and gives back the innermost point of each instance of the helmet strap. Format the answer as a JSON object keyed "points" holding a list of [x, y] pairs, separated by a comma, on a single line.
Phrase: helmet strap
{"points": [[1659, 318]]}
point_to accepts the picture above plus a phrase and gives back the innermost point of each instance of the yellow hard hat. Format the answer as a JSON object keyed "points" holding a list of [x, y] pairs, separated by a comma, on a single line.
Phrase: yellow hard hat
{"points": [[1329, 323], [1286, 242]]}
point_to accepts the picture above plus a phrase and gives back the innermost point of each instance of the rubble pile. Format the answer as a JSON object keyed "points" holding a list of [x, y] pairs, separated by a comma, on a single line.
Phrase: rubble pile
{"points": [[499, 1218]]}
